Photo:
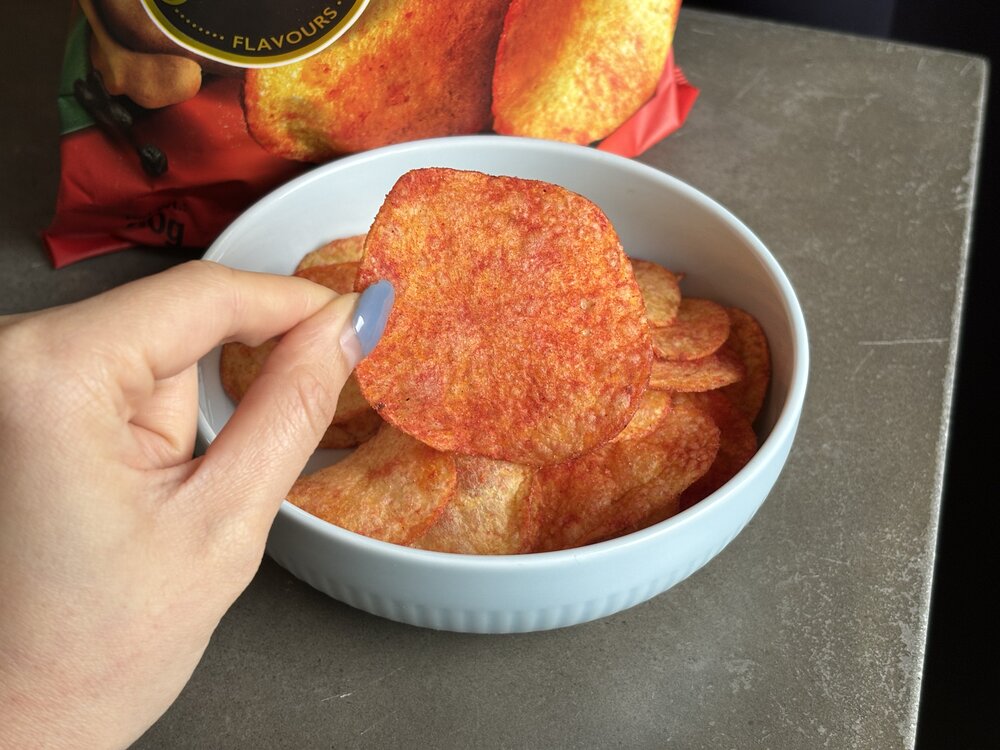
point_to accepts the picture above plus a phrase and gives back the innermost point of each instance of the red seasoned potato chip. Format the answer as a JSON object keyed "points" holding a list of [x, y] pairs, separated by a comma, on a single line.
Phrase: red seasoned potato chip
{"points": [[701, 327], [693, 450], [737, 443], [606, 492], [354, 421], [342, 250], [574, 70], [337, 276], [652, 410], [486, 515], [518, 331], [661, 292], [391, 488], [240, 364], [407, 69], [747, 339], [655, 501], [351, 431], [714, 371]]}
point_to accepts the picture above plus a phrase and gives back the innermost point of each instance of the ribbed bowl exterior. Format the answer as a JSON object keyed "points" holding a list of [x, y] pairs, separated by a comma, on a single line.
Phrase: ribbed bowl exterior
{"points": [[513, 594]]}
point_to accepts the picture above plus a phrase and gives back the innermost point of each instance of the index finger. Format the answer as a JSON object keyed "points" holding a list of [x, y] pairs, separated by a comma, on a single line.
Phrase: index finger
{"points": [[164, 323]]}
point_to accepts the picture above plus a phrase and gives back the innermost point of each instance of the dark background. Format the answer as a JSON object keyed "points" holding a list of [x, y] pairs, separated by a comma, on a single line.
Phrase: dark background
{"points": [[959, 697]]}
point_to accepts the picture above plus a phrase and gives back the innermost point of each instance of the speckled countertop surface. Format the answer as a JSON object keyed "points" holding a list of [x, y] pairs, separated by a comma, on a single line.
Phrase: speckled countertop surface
{"points": [[854, 160]]}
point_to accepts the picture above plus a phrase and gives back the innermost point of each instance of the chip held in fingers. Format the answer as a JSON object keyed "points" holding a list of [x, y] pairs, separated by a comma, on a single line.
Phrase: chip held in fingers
{"points": [[518, 330]]}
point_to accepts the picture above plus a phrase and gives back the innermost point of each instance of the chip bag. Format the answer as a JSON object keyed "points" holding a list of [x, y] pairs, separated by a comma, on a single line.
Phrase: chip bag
{"points": [[178, 114]]}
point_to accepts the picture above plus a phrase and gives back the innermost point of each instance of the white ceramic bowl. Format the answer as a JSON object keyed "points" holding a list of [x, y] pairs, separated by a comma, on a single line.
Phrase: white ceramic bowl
{"points": [[658, 218]]}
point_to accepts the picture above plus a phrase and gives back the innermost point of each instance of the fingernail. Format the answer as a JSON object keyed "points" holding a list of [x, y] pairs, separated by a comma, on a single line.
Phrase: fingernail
{"points": [[371, 314]]}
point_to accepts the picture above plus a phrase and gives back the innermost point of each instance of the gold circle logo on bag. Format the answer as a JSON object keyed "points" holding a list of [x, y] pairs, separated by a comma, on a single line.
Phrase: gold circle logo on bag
{"points": [[254, 33]]}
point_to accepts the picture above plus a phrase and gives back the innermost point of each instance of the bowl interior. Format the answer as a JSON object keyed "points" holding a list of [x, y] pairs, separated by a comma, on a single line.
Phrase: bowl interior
{"points": [[657, 217]]}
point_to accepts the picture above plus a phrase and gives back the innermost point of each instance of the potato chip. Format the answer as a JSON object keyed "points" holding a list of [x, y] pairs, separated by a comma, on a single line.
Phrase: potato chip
{"points": [[574, 70], [406, 70], [714, 371], [661, 292], [338, 276], [341, 250], [486, 515], [652, 410], [747, 339], [240, 364], [518, 330], [655, 501], [694, 450], [569, 503], [607, 492], [352, 431], [391, 488], [701, 327], [353, 422], [351, 401], [737, 443], [547, 504]]}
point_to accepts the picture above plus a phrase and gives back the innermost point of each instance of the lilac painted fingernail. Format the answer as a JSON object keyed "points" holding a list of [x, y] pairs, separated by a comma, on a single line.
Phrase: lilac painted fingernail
{"points": [[371, 314]]}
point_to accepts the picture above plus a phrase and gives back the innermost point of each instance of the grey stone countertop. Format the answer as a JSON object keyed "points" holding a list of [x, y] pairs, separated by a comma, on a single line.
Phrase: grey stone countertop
{"points": [[854, 160]]}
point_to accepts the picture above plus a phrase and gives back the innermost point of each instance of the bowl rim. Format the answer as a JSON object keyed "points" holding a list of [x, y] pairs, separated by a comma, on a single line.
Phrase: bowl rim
{"points": [[780, 435]]}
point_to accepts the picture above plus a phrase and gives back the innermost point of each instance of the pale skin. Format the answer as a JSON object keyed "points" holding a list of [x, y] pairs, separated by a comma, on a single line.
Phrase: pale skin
{"points": [[119, 552]]}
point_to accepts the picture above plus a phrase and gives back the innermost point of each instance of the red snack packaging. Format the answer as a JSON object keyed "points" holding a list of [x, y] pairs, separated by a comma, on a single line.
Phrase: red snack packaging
{"points": [[178, 114]]}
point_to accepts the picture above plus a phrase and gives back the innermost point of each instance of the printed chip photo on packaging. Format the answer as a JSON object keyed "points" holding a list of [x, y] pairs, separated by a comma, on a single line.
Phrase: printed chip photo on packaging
{"points": [[177, 115]]}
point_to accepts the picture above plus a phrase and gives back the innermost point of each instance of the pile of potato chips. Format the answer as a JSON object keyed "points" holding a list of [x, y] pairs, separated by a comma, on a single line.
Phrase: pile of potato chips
{"points": [[534, 390]]}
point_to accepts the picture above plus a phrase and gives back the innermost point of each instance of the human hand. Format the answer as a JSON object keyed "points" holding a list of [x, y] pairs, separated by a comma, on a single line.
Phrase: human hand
{"points": [[119, 552]]}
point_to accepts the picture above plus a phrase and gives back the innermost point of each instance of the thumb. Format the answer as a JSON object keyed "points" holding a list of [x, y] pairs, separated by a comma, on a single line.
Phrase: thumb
{"points": [[281, 418]]}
